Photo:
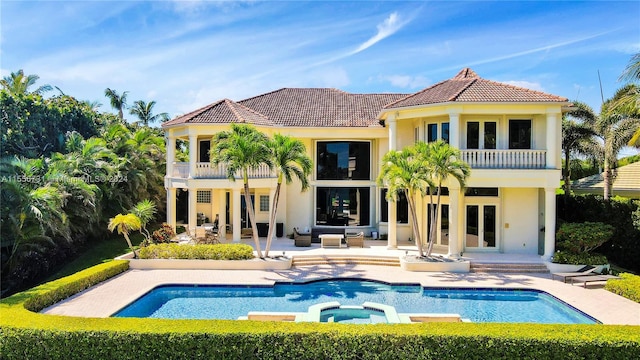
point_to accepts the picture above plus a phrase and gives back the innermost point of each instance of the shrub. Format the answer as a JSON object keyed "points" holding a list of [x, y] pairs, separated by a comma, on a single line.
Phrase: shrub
{"points": [[204, 252], [578, 238], [565, 257], [164, 234], [628, 286]]}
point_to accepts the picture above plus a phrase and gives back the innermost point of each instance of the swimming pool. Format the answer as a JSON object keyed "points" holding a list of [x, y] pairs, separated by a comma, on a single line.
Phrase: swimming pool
{"points": [[233, 302]]}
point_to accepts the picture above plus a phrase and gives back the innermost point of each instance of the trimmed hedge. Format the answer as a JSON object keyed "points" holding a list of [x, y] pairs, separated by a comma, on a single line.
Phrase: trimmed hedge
{"points": [[28, 335], [628, 286], [204, 252], [565, 257]]}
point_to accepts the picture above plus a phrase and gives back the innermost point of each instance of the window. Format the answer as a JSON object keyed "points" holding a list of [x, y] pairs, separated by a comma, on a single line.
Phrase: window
{"points": [[477, 191], [402, 208], [343, 160], [489, 135], [473, 135], [205, 145], [203, 196], [432, 132], [445, 132], [519, 134], [342, 206], [264, 202]]}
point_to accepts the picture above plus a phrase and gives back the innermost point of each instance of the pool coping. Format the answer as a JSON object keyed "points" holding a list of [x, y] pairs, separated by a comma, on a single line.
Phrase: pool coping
{"points": [[110, 296]]}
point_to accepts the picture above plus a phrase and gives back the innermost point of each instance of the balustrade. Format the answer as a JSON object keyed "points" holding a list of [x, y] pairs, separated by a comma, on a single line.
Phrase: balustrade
{"points": [[505, 159]]}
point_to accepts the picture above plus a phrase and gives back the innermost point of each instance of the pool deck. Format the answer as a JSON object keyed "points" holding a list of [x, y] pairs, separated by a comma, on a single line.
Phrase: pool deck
{"points": [[110, 296]]}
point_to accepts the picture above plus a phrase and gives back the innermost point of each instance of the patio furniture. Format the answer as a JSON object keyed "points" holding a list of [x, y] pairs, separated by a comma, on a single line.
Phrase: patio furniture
{"points": [[592, 278], [331, 240], [316, 231], [356, 240], [584, 271], [200, 235], [246, 233], [301, 240]]}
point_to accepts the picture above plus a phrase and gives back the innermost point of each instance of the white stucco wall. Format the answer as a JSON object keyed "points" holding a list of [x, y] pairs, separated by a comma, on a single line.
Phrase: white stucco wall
{"points": [[520, 214]]}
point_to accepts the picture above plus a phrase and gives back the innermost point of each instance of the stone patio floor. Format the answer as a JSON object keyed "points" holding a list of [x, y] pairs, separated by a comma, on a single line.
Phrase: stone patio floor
{"points": [[110, 296]]}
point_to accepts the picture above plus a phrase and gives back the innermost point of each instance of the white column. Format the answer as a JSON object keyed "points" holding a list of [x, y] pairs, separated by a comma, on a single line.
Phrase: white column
{"points": [[454, 219], [193, 218], [193, 155], [237, 225], [392, 241], [554, 130], [171, 207], [222, 214], [171, 154], [454, 130], [549, 222]]}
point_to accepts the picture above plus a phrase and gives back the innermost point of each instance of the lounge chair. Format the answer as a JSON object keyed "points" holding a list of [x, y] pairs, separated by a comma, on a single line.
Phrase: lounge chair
{"points": [[584, 271], [301, 240], [592, 278], [356, 240]]}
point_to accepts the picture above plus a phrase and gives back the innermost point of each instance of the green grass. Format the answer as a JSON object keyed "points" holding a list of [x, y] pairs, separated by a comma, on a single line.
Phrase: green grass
{"points": [[98, 253]]}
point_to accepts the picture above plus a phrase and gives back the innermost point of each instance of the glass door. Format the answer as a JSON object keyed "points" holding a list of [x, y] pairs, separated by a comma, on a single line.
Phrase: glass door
{"points": [[244, 211], [481, 226]]}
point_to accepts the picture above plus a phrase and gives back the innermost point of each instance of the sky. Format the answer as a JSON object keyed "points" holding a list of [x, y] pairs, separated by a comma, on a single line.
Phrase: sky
{"points": [[187, 54]]}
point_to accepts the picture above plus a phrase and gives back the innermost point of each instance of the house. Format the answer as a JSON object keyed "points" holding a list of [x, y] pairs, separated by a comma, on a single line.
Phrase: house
{"points": [[509, 135], [626, 182]]}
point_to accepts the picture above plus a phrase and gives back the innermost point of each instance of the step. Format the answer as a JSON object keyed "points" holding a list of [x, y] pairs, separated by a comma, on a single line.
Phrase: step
{"points": [[344, 260], [486, 267]]}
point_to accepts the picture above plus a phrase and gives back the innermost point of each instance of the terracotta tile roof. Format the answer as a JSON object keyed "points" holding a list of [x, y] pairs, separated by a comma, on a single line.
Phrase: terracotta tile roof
{"points": [[626, 178], [467, 86], [305, 107], [222, 112]]}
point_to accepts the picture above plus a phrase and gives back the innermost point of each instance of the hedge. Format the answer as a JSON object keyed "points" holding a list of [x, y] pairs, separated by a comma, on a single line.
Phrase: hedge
{"points": [[628, 286], [28, 335], [203, 252]]}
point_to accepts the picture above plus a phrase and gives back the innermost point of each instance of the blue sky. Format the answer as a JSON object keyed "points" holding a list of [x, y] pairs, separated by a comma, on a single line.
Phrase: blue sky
{"points": [[188, 54]]}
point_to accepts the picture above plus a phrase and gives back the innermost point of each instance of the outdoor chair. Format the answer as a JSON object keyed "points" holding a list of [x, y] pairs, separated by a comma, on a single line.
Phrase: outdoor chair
{"points": [[584, 271], [200, 235], [357, 240], [301, 240]]}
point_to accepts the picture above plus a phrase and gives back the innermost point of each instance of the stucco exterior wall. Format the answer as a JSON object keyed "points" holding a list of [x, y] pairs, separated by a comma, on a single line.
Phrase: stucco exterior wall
{"points": [[520, 220]]}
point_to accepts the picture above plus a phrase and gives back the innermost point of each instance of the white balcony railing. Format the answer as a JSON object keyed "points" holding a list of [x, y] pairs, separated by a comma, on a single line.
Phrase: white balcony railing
{"points": [[505, 159], [205, 170]]}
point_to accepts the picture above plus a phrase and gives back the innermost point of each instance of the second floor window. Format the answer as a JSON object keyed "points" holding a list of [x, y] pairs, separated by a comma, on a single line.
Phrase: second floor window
{"points": [[343, 160], [481, 135], [519, 134]]}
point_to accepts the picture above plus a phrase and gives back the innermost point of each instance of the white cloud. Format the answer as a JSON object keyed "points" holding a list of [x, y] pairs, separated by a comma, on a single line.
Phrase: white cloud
{"points": [[406, 81], [388, 27]]}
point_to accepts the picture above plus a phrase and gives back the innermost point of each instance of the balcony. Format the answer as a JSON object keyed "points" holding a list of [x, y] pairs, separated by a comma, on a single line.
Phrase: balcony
{"points": [[505, 159], [205, 170]]}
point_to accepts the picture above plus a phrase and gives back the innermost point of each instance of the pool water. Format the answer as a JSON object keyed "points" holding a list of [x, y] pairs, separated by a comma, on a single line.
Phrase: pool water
{"points": [[353, 316], [232, 302]]}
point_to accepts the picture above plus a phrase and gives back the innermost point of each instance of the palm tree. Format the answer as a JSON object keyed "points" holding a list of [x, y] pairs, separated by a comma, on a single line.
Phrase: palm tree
{"points": [[442, 161], [404, 171], [290, 160], [632, 70], [118, 102], [577, 136], [144, 112], [145, 210], [125, 224], [18, 83], [243, 148], [631, 101]]}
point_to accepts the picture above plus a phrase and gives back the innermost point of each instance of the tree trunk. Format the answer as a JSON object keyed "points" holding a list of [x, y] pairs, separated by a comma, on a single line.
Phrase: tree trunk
{"points": [[567, 173], [272, 218], [126, 237], [432, 227], [252, 218], [414, 220], [607, 179]]}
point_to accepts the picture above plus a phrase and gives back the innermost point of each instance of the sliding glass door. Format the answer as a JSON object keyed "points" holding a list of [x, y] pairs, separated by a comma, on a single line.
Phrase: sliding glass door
{"points": [[481, 226]]}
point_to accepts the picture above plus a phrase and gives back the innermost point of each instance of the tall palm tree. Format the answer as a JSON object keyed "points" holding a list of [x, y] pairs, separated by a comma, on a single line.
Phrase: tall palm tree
{"points": [[290, 160], [243, 148], [18, 83], [118, 102], [577, 136], [125, 224], [631, 101], [405, 172], [144, 112], [145, 210], [443, 162]]}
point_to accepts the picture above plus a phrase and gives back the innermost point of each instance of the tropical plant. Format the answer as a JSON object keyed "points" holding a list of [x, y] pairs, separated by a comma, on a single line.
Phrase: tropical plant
{"points": [[18, 83], [241, 149], [118, 102], [125, 224], [144, 112], [632, 100], [290, 160], [146, 211], [442, 161], [404, 172], [577, 137]]}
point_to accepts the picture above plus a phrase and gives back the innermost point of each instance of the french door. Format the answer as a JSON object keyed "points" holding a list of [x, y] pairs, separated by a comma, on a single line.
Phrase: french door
{"points": [[480, 227]]}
